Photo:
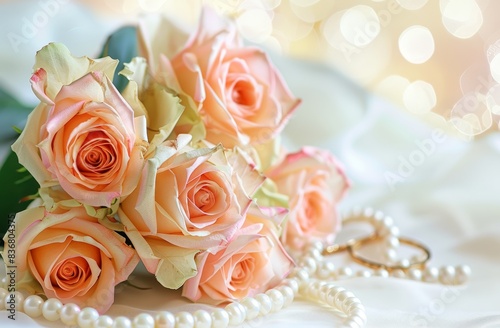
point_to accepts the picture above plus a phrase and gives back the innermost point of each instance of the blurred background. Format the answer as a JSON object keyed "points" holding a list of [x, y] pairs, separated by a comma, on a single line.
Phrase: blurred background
{"points": [[435, 59]]}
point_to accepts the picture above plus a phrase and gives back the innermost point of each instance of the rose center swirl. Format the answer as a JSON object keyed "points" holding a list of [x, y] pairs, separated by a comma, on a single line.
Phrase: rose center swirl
{"points": [[242, 272], [70, 273], [97, 155]]}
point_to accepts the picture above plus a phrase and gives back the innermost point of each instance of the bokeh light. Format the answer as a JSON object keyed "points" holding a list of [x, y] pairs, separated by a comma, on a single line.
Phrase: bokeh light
{"points": [[387, 46], [416, 44], [419, 97], [462, 18]]}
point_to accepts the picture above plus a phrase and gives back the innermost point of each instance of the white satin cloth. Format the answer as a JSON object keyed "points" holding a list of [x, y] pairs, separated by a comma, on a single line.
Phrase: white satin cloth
{"points": [[444, 191]]}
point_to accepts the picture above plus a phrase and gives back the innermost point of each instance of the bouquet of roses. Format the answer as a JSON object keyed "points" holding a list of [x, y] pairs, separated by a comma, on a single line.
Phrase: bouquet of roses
{"points": [[182, 170]]}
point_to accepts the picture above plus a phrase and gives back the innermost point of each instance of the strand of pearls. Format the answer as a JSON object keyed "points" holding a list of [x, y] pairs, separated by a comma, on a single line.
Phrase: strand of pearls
{"points": [[316, 284], [311, 279]]}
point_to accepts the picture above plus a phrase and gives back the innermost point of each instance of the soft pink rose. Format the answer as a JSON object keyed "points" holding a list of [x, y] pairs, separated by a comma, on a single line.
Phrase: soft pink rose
{"points": [[242, 98], [187, 200], [73, 257], [82, 135], [252, 262], [314, 182]]}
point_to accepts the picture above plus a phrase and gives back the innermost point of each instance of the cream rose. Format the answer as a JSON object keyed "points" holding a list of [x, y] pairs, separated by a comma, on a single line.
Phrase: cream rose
{"points": [[83, 134], [187, 200], [314, 182], [73, 257], [252, 262], [241, 97]]}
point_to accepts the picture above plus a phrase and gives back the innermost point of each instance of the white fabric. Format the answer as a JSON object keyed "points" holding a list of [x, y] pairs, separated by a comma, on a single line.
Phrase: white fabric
{"points": [[449, 201]]}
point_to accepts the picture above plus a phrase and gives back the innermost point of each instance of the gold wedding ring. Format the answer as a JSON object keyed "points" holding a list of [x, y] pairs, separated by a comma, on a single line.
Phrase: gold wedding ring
{"points": [[419, 264]]}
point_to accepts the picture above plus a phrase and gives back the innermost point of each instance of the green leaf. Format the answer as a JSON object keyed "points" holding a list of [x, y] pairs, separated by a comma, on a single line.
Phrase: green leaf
{"points": [[121, 45], [13, 114], [14, 187]]}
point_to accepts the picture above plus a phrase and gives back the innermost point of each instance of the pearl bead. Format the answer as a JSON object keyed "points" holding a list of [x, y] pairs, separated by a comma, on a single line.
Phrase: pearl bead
{"points": [[33, 306], [351, 304], [388, 221], [344, 272], [381, 273], [315, 254], [292, 283], [220, 318], [389, 231], [364, 273], [447, 275], [288, 295], [318, 245], [300, 274], [3, 282], [415, 274], [390, 255], [165, 319], [391, 242], [266, 304], [143, 320], [14, 301], [86, 317], [3, 294], [398, 273], [276, 298], [369, 212], [341, 297], [323, 291], [252, 307], [309, 264], [183, 319], [377, 216], [325, 270], [69, 314], [122, 322], [431, 274], [237, 313], [104, 321], [404, 263], [462, 273], [313, 288], [333, 293], [202, 319], [51, 309]]}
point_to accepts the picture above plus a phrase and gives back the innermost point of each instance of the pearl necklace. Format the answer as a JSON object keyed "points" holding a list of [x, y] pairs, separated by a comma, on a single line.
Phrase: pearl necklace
{"points": [[311, 279]]}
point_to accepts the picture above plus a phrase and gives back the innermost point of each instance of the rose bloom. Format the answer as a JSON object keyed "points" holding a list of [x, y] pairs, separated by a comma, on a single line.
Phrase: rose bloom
{"points": [[252, 262], [73, 257], [187, 200], [242, 98], [82, 135], [314, 182]]}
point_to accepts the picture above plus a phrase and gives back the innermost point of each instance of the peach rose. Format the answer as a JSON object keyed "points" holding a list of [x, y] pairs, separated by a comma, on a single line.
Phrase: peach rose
{"points": [[252, 262], [73, 257], [241, 97], [314, 182], [82, 135], [187, 200]]}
